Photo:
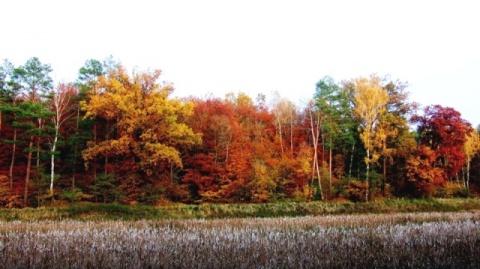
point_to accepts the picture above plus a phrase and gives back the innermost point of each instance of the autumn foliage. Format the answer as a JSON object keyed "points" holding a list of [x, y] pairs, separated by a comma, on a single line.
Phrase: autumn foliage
{"points": [[119, 136]]}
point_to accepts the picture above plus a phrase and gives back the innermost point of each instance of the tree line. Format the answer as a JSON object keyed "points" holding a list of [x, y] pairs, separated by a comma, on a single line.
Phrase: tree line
{"points": [[115, 136]]}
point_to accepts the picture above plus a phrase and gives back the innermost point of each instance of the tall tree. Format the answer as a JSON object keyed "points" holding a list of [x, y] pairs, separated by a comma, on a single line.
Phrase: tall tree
{"points": [[315, 120], [146, 130], [61, 106], [393, 123], [35, 82], [9, 98], [333, 103], [7, 91], [370, 100]]}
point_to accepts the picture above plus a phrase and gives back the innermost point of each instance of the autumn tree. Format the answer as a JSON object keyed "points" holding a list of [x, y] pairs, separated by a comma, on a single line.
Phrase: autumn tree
{"points": [[470, 148], [206, 163], [423, 176], [87, 128], [146, 131], [444, 132], [370, 100]]}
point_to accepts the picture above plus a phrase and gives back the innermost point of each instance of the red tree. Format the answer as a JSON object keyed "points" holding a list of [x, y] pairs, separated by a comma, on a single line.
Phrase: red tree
{"points": [[443, 131]]}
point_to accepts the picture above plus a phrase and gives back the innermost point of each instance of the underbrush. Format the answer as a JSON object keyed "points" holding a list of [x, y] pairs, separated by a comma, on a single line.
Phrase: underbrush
{"points": [[99, 211]]}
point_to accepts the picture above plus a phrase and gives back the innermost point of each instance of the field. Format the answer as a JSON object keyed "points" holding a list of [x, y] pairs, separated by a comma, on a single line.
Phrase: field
{"points": [[389, 240]]}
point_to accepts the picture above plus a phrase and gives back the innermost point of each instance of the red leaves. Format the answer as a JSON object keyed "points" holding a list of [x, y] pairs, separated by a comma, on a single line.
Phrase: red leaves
{"points": [[442, 134]]}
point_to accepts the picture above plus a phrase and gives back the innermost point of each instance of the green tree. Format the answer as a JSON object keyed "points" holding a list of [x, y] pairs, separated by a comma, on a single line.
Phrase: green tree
{"points": [[34, 82], [9, 95], [332, 103]]}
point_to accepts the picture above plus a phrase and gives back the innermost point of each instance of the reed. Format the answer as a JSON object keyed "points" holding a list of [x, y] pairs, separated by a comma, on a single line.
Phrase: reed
{"points": [[399, 240]]}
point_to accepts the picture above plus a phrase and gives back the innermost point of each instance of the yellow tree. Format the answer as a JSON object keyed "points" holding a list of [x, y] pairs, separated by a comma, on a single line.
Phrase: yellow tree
{"points": [[148, 126], [471, 148], [370, 100]]}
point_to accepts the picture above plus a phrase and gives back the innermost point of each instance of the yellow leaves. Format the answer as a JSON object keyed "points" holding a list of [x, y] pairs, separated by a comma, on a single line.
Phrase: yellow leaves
{"points": [[144, 120], [157, 153], [262, 183], [107, 148], [472, 145], [370, 101]]}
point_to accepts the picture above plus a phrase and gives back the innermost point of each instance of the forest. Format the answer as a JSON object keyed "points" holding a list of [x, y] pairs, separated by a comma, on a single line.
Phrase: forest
{"points": [[117, 135]]}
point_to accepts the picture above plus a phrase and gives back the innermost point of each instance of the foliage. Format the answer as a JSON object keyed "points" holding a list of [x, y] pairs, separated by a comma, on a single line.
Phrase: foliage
{"points": [[119, 136], [440, 155], [370, 100], [444, 131], [72, 195], [146, 128]]}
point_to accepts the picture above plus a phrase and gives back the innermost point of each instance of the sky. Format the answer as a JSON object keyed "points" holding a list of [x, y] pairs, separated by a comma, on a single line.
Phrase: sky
{"points": [[212, 47]]}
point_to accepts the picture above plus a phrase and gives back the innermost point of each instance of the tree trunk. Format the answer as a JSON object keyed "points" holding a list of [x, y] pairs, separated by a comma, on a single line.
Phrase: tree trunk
{"points": [[319, 181], [367, 180], [38, 153], [330, 166], [75, 150], [291, 136], [12, 163], [467, 182], [351, 162], [52, 163], [384, 178], [280, 135], [40, 126], [27, 176], [315, 134], [95, 158]]}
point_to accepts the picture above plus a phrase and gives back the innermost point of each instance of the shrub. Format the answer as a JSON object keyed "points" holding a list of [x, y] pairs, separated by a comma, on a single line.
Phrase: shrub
{"points": [[355, 190], [72, 195]]}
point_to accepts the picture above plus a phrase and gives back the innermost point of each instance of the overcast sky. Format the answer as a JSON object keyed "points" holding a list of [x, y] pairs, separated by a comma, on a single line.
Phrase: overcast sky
{"points": [[258, 46]]}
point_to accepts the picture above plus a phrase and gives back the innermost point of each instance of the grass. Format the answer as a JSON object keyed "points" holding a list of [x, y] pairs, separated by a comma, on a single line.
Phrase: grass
{"points": [[91, 211], [394, 240]]}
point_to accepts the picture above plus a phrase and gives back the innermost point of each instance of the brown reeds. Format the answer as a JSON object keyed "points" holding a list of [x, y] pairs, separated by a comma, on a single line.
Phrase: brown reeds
{"points": [[401, 240]]}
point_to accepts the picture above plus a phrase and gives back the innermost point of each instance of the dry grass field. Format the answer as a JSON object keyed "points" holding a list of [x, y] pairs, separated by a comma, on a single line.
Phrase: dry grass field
{"points": [[399, 240]]}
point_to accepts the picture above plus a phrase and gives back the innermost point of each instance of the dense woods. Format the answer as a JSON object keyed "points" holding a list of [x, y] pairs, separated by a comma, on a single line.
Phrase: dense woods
{"points": [[115, 135]]}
